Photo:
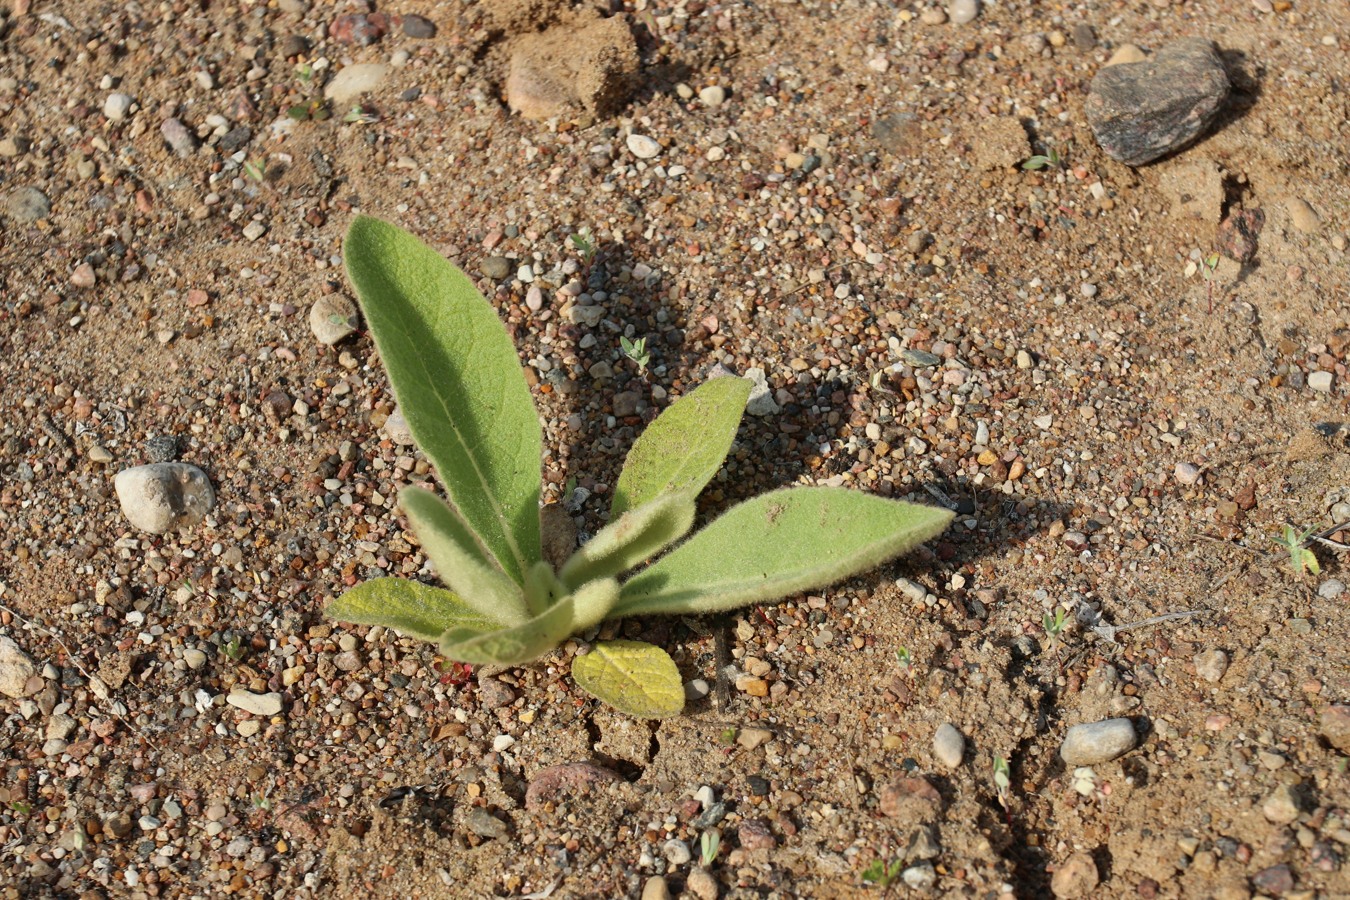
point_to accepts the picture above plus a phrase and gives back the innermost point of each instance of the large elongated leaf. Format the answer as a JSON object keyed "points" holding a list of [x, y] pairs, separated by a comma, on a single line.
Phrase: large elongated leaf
{"points": [[460, 561], [778, 544], [526, 643], [409, 607], [633, 677], [458, 381], [635, 537], [684, 447]]}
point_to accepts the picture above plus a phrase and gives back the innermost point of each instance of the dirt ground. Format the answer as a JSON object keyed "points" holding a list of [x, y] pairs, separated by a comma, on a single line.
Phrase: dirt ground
{"points": [[831, 193]]}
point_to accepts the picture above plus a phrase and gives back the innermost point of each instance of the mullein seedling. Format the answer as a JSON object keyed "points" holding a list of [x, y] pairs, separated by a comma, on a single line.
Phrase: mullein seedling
{"points": [[906, 660], [458, 379], [709, 842], [882, 873], [1050, 159], [256, 169], [1054, 625], [636, 351], [1301, 557], [584, 243], [1209, 267], [1002, 782]]}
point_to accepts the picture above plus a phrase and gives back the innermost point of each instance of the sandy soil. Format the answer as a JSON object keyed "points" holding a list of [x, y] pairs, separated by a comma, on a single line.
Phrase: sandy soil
{"points": [[1121, 436]]}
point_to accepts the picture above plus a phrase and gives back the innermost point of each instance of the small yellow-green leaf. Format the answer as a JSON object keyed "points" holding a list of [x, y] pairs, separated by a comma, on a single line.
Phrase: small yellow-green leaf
{"points": [[513, 646], [682, 450], [633, 537], [635, 678], [409, 607]]}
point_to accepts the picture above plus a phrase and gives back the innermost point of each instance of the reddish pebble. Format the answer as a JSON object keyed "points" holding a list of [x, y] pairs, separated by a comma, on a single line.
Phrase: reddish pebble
{"points": [[360, 29]]}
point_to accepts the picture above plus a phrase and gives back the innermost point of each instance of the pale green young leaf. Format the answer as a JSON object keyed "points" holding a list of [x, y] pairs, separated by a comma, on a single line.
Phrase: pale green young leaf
{"points": [[542, 588], [633, 538], [513, 646], [459, 560], [778, 544], [408, 607], [635, 678], [459, 383], [684, 447]]}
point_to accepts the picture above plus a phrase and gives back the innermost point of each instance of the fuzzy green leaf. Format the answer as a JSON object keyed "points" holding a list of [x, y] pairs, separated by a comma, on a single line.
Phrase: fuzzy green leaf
{"points": [[778, 544], [542, 587], [633, 538], [408, 607], [684, 447], [635, 678], [458, 381], [460, 561], [526, 643]]}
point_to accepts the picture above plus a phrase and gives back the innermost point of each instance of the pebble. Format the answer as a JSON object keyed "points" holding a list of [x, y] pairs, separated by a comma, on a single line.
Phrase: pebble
{"points": [[254, 230], [1321, 381], [418, 27], [355, 80], [962, 12], [656, 889], [83, 276], [949, 745], [194, 658], [933, 16], [1331, 589], [920, 877], [696, 689], [359, 28], [1304, 217], [1211, 665], [116, 106], [1098, 742], [754, 834], [566, 779], [1335, 723], [642, 146], [494, 693], [1186, 473], [257, 704], [397, 430], [332, 318], [498, 268], [751, 738], [162, 497], [676, 852], [161, 448], [485, 824], [27, 204], [1142, 111], [912, 800], [1076, 877], [1275, 880], [178, 137], [1281, 806], [16, 668], [761, 402], [705, 796], [712, 96], [702, 884]]}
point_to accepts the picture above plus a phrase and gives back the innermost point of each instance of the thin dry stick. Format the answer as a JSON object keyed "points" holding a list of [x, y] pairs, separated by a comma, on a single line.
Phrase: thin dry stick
{"points": [[89, 676]]}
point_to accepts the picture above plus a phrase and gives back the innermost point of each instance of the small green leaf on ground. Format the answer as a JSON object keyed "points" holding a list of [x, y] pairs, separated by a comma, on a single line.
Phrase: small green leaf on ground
{"points": [[411, 608], [635, 678]]}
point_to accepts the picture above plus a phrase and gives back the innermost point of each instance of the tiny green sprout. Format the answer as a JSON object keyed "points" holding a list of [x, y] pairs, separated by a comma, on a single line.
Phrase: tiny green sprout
{"points": [[1054, 625], [233, 649], [1050, 159], [882, 873], [456, 375], [584, 243], [709, 842], [305, 72], [728, 736], [255, 169], [1002, 781], [359, 115], [1301, 558], [1209, 271], [635, 351], [905, 659], [315, 110], [20, 807]]}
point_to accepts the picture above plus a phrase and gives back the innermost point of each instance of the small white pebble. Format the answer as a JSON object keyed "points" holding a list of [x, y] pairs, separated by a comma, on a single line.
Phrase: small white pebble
{"points": [[642, 146]]}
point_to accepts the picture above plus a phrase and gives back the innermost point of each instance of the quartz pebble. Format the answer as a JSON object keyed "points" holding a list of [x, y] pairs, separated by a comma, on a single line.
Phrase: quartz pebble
{"points": [[257, 704], [712, 96], [676, 852], [1211, 665], [1074, 878], [332, 318], [1282, 805], [16, 668], [642, 146], [116, 106], [1186, 473], [1303, 216], [1321, 381], [949, 745], [961, 12], [355, 80], [656, 888], [1098, 742], [162, 497]]}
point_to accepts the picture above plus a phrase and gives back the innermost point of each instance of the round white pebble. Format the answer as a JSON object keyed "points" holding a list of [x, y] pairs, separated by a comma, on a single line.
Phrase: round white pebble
{"points": [[949, 746], [642, 146], [963, 11]]}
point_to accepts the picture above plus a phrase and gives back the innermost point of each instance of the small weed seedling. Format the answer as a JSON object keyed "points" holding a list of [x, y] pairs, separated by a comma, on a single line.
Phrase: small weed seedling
{"points": [[314, 110], [584, 243], [1054, 626], [636, 351], [256, 169], [709, 842], [1208, 270], [1301, 558], [882, 873], [360, 115], [458, 379], [1051, 159], [906, 660], [727, 737], [1002, 783], [233, 649]]}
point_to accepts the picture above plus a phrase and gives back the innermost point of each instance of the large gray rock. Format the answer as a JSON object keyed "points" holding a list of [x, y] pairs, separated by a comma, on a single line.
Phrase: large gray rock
{"points": [[1141, 111], [164, 496]]}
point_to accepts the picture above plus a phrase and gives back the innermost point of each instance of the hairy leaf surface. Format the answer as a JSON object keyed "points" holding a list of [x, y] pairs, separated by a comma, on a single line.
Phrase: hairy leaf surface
{"points": [[684, 447], [458, 381], [513, 646], [634, 537], [635, 678], [409, 607], [778, 544]]}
